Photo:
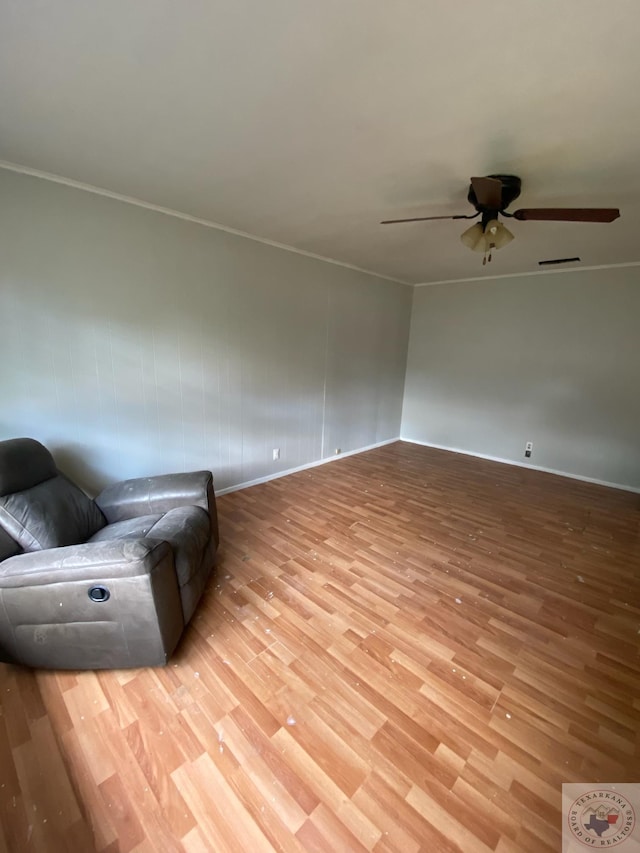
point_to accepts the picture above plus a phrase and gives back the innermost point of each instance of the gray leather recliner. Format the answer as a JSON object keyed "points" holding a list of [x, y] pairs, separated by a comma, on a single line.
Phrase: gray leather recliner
{"points": [[98, 584]]}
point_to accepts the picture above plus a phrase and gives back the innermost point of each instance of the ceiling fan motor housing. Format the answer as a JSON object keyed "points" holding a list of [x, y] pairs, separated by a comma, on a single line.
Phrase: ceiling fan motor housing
{"points": [[510, 191]]}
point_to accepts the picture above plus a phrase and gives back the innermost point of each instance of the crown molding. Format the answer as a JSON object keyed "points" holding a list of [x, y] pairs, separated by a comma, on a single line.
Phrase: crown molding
{"points": [[167, 211], [528, 273]]}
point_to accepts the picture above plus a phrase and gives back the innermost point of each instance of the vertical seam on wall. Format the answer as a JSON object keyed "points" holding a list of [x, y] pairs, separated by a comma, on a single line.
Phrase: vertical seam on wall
{"points": [[115, 389], [326, 360], [182, 418], [155, 385], [406, 359]]}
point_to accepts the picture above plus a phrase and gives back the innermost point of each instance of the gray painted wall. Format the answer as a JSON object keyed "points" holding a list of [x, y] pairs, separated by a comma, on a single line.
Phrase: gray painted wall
{"points": [[553, 359], [133, 343]]}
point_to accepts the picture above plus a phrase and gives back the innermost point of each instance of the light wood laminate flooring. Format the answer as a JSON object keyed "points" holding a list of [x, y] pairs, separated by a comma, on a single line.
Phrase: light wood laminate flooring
{"points": [[402, 650]]}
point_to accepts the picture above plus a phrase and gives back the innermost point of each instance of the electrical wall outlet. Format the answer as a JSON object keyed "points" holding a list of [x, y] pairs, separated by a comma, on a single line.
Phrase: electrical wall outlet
{"points": [[528, 449], [276, 453]]}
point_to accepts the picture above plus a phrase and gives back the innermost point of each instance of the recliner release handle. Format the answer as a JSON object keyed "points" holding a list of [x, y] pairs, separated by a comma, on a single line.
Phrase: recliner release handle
{"points": [[99, 593]]}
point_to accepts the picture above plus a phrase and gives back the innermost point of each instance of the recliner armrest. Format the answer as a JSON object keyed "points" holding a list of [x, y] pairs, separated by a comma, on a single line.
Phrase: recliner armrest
{"points": [[122, 558], [149, 495]]}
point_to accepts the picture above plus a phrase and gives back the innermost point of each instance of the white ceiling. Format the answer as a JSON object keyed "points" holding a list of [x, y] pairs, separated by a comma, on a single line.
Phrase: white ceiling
{"points": [[308, 122]]}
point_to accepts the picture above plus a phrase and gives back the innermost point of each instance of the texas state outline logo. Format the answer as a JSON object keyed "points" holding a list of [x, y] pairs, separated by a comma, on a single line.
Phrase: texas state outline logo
{"points": [[601, 818]]}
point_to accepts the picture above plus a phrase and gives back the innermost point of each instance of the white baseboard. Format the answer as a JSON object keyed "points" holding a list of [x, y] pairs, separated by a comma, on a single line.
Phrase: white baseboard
{"points": [[304, 467], [525, 465]]}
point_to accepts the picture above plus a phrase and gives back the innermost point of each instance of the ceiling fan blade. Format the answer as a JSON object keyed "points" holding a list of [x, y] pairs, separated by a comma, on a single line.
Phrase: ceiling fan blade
{"points": [[488, 192], [569, 214], [424, 219]]}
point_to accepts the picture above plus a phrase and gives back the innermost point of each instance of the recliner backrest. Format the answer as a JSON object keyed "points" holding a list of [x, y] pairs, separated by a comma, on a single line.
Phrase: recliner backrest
{"points": [[24, 462], [39, 507]]}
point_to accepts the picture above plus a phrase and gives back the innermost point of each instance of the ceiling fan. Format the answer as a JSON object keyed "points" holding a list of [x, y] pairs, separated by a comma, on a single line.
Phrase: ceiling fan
{"points": [[490, 196]]}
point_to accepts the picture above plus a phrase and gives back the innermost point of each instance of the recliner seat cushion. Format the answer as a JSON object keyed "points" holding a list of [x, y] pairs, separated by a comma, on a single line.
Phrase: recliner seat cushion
{"points": [[130, 528], [51, 514], [185, 528]]}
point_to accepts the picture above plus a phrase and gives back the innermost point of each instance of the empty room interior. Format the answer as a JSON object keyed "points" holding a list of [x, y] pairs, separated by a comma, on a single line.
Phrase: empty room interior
{"points": [[322, 323]]}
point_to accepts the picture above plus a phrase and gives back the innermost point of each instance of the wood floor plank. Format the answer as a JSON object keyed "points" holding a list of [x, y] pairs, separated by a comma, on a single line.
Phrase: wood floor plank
{"points": [[405, 650]]}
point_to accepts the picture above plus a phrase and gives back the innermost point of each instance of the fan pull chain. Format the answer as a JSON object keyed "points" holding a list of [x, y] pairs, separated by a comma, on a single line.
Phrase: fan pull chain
{"points": [[487, 256]]}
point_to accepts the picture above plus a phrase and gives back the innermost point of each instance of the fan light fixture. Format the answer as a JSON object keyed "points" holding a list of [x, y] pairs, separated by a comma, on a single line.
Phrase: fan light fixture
{"points": [[485, 238]]}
